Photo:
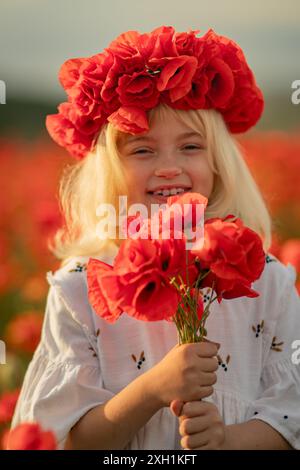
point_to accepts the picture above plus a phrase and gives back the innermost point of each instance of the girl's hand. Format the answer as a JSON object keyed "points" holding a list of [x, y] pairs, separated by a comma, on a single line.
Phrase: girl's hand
{"points": [[187, 373], [200, 425]]}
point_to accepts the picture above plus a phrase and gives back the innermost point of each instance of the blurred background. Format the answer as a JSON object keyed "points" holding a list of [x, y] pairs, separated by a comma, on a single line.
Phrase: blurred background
{"points": [[36, 37]]}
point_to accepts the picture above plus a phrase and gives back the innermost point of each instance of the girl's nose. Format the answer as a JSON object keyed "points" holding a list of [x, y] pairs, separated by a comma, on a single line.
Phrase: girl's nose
{"points": [[169, 172]]}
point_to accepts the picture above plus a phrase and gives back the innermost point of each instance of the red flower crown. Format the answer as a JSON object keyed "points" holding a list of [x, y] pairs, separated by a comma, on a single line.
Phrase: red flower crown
{"points": [[139, 71]]}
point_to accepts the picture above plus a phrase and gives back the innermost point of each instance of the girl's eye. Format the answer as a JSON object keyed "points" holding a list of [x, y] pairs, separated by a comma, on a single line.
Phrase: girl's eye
{"points": [[191, 147], [141, 151]]}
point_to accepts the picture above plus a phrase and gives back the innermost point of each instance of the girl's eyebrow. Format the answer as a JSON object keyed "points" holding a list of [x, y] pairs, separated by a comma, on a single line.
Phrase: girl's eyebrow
{"points": [[144, 138]]}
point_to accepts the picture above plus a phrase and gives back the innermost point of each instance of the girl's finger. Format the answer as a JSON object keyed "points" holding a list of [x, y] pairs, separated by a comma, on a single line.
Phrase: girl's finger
{"points": [[195, 440], [213, 342], [209, 364], [194, 425], [176, 407], [196, 408]]}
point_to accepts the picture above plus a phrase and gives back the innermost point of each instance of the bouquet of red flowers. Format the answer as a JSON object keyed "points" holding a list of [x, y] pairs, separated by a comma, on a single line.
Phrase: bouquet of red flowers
{"points": [[156, 277]]}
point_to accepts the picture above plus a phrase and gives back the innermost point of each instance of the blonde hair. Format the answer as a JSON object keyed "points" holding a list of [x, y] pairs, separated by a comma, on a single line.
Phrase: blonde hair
{"points": [[99, 178]]}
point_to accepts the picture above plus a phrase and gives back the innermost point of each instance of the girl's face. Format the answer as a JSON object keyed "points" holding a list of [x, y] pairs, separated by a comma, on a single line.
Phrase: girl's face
{"points": [[168, 159]]}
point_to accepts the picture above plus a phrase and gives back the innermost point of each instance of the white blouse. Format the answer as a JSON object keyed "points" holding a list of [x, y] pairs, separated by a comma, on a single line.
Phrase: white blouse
{"points": [[83, 361]]}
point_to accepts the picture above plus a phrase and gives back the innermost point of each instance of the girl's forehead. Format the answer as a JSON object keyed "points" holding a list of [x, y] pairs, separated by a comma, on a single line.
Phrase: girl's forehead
{"points": [[151, 136], [162, 131], [166, 122]]}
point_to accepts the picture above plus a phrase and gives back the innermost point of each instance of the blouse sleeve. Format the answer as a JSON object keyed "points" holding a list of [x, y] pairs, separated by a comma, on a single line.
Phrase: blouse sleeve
{"points": [[278, 403], [63, 380]]}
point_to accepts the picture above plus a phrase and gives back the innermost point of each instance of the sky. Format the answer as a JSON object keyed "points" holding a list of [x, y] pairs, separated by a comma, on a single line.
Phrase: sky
{"points": [[37, 36]]}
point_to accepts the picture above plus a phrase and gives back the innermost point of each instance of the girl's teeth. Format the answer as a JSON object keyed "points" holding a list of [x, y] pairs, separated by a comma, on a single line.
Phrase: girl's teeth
{"points": [[169, 192]]}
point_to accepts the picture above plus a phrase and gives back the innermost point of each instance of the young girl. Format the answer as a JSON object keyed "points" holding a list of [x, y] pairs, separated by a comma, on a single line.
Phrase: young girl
{"points": [[156, 113]]}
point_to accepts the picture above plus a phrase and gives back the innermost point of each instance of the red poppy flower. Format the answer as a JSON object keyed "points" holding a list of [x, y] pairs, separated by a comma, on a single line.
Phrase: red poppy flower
{"points": [[24, 331], [30, 436], [138, 283], [8, 402], [234, 254]]}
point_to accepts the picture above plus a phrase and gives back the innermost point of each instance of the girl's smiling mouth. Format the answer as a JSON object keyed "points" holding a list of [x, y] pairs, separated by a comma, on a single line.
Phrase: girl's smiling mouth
{"points": [[169, 190], [161, 193]]}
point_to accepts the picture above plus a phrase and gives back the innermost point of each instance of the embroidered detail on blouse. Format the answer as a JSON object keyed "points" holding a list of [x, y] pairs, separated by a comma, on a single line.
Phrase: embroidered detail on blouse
{"points": [[224, 364], [80, 267], [94, 353], [276, 346], [269, 259], [259, 328], [285, 416], [141, 360], [207, 295]]}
